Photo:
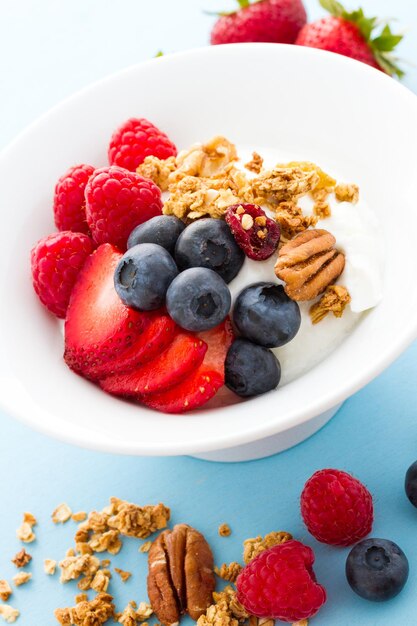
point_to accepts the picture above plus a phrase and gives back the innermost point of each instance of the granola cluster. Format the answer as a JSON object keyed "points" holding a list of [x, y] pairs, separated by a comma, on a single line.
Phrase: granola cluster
{"points": [[87, 613], [25, 531], [334, 300]]}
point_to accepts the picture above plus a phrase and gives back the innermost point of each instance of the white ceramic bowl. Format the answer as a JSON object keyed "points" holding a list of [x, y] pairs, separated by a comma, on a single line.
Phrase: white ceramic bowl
{"points": [[314, 105]]}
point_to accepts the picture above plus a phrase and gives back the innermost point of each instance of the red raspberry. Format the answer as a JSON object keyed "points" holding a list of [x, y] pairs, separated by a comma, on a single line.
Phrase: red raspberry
{"points": [[69, 201], [137, 139], [117, 201], [56, 261], [280, 584], [336, 508]]}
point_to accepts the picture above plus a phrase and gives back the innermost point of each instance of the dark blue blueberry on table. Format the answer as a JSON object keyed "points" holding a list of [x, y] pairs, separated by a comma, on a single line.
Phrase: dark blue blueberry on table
{"points": [[163, 230], [251, 369], [264, 314], [143, 276], [411, 484], [198, 299], [209, 243], [377, 569]]}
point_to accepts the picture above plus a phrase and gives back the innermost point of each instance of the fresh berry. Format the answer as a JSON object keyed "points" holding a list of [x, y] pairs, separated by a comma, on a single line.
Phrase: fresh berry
{"points": [[135, 140], [377, 569], [56, 261], [209, 243], [277, 21], [251, 369], [117, 201], [280, 584], [184, 355], [158, 332], [264, 314], [198, 299], [143, 276], [353, 35], [99, 327], [218, 340], [190, 394], [411, 484], [163, 230], [336, 508], [69, 200], [255, 233]]}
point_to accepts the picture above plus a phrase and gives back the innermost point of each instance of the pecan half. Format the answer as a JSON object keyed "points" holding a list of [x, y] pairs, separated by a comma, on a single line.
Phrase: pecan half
{"points": [[180, 578], [309, 263]]}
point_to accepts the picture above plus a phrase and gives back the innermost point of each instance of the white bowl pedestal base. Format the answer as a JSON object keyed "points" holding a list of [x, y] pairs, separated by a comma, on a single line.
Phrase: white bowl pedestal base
{"points": [[271, 445]]}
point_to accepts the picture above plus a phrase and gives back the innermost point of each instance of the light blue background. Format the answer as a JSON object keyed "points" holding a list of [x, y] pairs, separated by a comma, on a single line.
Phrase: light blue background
{"points": [[49, 49]]}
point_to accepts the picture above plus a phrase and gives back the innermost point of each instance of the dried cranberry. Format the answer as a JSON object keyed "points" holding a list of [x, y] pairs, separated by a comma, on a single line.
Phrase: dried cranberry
{"points": [[255, 233]]}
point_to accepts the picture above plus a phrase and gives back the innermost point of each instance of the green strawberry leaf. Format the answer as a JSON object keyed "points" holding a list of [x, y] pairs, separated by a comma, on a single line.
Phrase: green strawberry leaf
{"points": [[381, 45], [159, 54], [243, 4]]}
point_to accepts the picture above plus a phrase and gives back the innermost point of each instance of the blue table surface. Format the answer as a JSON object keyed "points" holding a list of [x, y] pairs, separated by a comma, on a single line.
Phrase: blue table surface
{"points": [[48, 50]]}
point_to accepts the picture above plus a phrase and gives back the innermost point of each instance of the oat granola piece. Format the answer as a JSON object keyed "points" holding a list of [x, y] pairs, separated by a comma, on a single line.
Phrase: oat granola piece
{"points": [[205, 160], [229, 572], [49, 566], [108, 541], [8, 613], [218, 615], [137, 521], [144, 611], [193, 197], [334, 300], [105, 563], [225, 530], [81, 597], [347, 193], [25, 531], [255, 164], [282, 184], [70, 552], [101, 580], [80, 516], [325, 182], [5, 590], [145, 547], [30, 519], [228, 595], [321, 209], [128, 617], [21, 578], [303, 622], [61, 514], [292, 220], [158, 170], [73, 567], [22, 558], [87, 613], [123, 575], [253, 547]]}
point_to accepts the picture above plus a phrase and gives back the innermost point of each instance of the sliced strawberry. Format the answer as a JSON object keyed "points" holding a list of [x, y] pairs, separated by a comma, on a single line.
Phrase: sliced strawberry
{"points": [[219, 340], [183, 356], [99, 328], [190, 394], [156, 337]]}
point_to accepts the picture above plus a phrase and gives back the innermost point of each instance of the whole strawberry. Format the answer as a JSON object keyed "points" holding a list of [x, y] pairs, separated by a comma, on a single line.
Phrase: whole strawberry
{"points": [[276, 21], [118, 200], [280, 584], [69, 200], [352, 34], [136, 139], [336, 508], [56, 261]]}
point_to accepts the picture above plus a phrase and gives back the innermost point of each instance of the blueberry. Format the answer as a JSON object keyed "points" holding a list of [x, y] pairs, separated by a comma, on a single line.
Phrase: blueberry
{"points": [[251, 369], [411, 484], [265, 314], [209, 243], [198, 299], [143, 276], [162, 229], [377, 569]]}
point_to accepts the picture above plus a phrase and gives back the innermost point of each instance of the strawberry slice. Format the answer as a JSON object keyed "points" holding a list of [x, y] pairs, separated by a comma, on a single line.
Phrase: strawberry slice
{"points": [[99, 328], [204, 383], [156, 337], [190, 394], [183, 356]]}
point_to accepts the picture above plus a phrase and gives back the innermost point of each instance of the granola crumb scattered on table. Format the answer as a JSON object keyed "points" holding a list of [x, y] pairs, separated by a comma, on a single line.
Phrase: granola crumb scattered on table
{"points": [[25, 531], [61, 514], [347, 193], [128, 617], [73, 566], [229, 571], [22, 558], [225, 530], [253, 547], [30, 519], [144, 611], [81, 597], [255, 164], [100, 581], [145, 547], [123, 575], [49, 566], [137, 521], [21, 578], [334, 300], [225, 611], [5, 590], [8, 613], [80, 516], [87, 613]]}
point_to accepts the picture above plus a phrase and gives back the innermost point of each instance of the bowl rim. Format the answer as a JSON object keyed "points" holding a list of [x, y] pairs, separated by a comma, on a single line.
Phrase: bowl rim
{"points": [[218, 440]]}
